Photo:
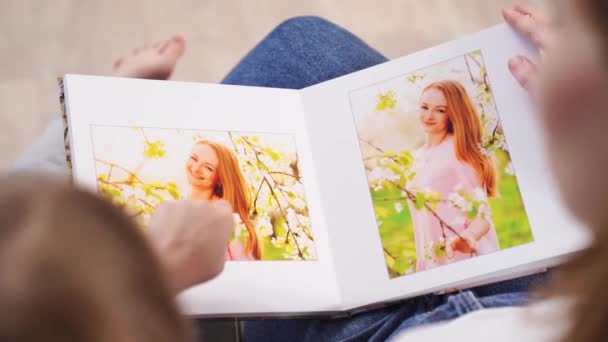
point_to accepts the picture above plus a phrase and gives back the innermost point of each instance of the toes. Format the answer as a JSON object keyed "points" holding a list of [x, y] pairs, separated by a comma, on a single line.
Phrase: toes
{"points": [[163, 46], [118, 63], [140, 49], [174, 47], [154, 61]]}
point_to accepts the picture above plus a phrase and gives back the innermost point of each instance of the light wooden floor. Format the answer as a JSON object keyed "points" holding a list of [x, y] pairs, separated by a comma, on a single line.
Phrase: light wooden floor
{"points": [[43, 39]]}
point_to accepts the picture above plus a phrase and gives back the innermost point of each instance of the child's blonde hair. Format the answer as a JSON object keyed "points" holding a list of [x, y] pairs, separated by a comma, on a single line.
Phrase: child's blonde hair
{"points": [[75, 268], [586, 276]]}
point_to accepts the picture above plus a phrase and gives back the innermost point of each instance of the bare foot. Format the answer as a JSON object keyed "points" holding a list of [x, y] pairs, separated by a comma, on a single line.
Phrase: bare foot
{"points": [[155, 62]]}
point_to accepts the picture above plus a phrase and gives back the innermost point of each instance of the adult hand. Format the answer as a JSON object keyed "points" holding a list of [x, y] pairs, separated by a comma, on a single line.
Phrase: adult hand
{"points": [[191, 238], [536, 27]]}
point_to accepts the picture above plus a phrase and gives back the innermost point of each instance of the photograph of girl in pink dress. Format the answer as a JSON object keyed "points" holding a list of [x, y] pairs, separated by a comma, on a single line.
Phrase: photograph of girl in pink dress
{"points": [[138, 168], [449, 162], [438, 167], [213, 173]]}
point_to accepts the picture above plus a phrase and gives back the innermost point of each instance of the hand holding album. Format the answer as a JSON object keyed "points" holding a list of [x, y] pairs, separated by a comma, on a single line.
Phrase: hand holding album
{"points": [[538, 29]]}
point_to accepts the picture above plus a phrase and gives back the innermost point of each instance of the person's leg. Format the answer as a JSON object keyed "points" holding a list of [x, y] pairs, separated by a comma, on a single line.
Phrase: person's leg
{"points": [[519, 285], [381, 324], [301, 52], [46, 154]]}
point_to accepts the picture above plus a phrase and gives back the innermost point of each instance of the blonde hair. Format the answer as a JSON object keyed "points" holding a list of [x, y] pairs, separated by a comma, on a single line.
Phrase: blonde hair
{"points": [[75, 268], [466, 127], [232, 186]]}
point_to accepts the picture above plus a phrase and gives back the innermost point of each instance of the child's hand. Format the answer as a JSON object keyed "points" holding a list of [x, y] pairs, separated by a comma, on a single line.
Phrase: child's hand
{"points": [[191, 238], [535, 27]]}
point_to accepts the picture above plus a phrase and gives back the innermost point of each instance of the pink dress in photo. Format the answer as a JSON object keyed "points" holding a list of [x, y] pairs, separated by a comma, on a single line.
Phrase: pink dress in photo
{"points": [[438, 170], [236, 252]]}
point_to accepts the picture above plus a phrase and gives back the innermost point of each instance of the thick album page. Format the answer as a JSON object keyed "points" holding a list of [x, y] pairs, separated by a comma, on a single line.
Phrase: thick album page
{"points": [[142, 142], [433, 173]]}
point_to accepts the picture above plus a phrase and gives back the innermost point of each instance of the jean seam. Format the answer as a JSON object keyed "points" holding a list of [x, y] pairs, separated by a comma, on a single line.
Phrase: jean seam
{"points": [[472, 301], [465, 302]]}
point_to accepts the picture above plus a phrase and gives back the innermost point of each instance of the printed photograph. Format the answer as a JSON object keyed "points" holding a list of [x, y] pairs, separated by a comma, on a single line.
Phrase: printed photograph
{"points": [[257, 173], [438, 166]]}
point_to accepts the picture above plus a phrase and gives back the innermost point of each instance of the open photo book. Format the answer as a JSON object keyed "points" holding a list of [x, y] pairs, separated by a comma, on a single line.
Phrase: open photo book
{"points": [[421, 175]]}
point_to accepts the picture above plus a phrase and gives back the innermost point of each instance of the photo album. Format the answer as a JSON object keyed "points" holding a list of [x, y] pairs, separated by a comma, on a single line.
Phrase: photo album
{"points": [[424, 174]]}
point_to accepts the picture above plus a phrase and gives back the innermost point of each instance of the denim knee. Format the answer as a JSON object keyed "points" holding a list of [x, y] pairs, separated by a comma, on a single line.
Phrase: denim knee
{"points": [[303, 51], [303, 24]]}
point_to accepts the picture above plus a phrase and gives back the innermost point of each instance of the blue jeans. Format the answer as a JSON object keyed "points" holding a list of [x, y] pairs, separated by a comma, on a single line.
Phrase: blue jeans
{"points": [[305, 51]]}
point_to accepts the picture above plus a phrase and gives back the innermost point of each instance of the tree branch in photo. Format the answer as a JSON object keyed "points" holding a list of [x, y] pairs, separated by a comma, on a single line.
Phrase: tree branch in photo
{"points": [[484, 76], [389, 253], [131, 174], [475, 59], [443, 234], [466, 61], [493, 140], [257, 195], [144, 202], [379, 150], [232, 141], [269, 173], [297, 178], [284, 214], [144, 135], [412, 197], [386, 199], [485, 81], [443, 224], [110, 171], [114, 184], [118, 186]]}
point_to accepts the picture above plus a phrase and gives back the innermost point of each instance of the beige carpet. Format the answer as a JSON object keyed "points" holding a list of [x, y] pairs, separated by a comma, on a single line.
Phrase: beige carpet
{"points": [[43, 39]]}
